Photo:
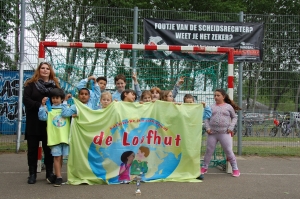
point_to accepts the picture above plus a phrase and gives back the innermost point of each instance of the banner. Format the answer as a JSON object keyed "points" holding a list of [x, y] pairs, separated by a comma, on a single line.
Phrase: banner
{"points": [[157, 141], [245, 38]]}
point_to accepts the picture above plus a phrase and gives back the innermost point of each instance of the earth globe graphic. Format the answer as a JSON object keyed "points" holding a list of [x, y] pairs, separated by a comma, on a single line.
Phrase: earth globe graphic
{"points": [[59, 121], [164, 159]]}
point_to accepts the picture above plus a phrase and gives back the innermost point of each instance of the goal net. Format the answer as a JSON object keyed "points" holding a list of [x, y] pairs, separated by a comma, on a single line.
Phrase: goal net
{"points": [[74, 61]]}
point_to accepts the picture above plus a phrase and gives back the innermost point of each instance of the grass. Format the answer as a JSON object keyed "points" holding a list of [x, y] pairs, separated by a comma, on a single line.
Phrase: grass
{"points": [[273, 146], [266, 139], [263, 151], [270, 151], [11, 147]]}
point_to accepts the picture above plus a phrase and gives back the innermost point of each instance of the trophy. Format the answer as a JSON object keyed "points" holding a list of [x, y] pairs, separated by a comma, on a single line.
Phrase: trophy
{"points": [[138, 183]]}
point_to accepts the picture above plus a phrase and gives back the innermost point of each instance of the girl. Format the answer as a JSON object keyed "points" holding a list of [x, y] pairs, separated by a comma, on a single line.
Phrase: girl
{"points": [[219, 127], [146, 96], [124, 172], [167, 96], [106, 99], [155, 91]]}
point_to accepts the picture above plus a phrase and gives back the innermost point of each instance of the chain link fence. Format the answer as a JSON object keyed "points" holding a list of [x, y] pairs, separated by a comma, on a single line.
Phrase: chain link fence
{"points": [[270, 88]]}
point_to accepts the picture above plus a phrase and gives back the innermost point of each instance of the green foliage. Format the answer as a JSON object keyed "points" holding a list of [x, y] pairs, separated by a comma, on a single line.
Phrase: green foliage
{"points": [[280, 7], [6, 20]]}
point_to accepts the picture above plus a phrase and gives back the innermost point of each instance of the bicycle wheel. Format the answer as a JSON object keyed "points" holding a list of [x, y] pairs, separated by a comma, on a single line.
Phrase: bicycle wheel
{"points": [[250, 129], [243, 130], [273, 132], [288, 132], [297, 132], [257, 133], [284, 131]]}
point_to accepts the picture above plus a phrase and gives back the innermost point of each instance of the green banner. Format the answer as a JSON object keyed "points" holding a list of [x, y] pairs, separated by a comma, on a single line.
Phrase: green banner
{"points": [[158, 141]]}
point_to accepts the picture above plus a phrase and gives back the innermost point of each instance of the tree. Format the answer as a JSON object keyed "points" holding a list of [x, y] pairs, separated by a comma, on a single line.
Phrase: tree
{"points": [[6, 9]]}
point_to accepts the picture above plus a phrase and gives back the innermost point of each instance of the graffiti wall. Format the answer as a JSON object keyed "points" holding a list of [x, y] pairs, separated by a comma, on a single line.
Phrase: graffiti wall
{"points": [[9, 96]]}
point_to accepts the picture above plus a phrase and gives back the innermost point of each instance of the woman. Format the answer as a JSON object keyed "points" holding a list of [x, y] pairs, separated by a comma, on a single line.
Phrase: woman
{"points": [[36, 88]]}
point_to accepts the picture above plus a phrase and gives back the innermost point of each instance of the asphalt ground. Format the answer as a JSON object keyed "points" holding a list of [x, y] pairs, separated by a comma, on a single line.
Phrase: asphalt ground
{"points": [[261, 177]]}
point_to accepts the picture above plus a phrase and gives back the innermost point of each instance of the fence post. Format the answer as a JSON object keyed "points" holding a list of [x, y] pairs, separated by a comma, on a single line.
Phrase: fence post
{"points": [[21, 76], [240, 97], [135, 27]]}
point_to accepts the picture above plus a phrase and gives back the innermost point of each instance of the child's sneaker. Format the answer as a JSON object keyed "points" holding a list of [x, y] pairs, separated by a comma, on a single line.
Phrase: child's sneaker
{"points": [[236, 173], [203, 170], [58, 182]]}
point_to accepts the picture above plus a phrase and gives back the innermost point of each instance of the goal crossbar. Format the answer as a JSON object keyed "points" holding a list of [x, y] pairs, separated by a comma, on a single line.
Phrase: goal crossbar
{"points": [[228, 50]]}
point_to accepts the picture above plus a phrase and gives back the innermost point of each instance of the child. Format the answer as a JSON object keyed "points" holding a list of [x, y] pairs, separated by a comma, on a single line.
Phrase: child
{"points": [[146, 96], [105, 99], [120, 82], [124, 175], [83, 96], [102, 81], [219, 128], [167, 96], [156, 91], [58, 129], [128, 95], [95, 93], [188, 98]]}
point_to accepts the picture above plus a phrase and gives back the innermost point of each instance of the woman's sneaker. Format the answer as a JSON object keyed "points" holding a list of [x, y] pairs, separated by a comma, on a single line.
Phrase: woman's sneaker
{"points": [[203, 170], [58, 182], [51, 179], [236, 173]]}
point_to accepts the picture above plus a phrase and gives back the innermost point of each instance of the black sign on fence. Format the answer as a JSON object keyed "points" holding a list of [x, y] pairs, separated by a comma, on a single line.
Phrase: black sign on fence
{"points": [[245, 38]]}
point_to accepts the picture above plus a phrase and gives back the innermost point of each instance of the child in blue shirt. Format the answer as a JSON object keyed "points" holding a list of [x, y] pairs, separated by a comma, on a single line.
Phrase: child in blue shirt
{"points": [[95, 93], [120, 82], [58, 129], [83, 96], [188, 98], [106, 99]]}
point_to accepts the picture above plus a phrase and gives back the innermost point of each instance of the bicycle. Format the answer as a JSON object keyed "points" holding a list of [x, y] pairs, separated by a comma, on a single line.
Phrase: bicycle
{"points": [[283, 125], [295, 117], [247, 131]]}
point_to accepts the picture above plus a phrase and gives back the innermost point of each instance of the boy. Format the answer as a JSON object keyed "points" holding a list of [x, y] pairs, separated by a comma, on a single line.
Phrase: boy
{"points": [[83, 96], [58, 129], [120, 82], [128, 95], [95, 93], [102, 81], [188, 98]]}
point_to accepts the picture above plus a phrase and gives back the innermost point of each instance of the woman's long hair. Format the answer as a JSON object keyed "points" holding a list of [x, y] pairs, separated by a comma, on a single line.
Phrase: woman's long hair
{"points": [[36, 75]]}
